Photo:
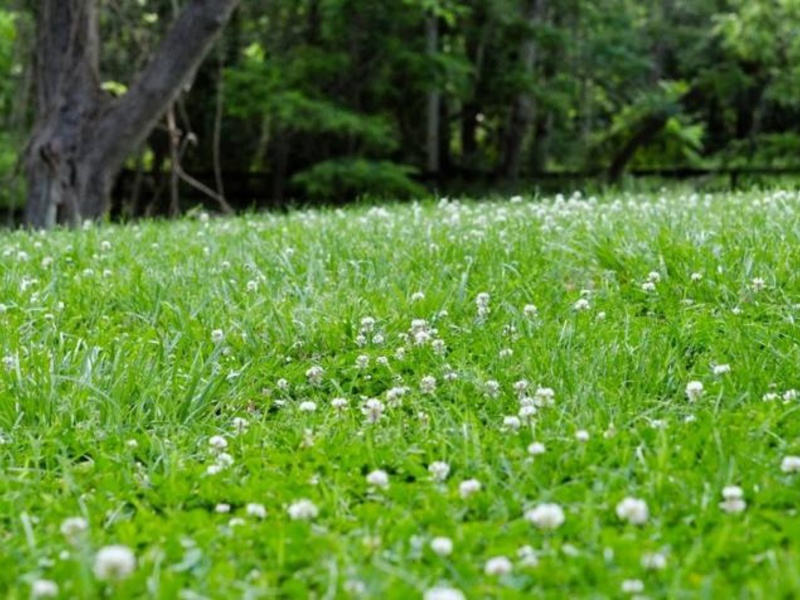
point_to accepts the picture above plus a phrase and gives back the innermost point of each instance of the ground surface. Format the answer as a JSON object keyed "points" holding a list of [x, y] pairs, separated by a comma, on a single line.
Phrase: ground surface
{"points": [[260, 407]]}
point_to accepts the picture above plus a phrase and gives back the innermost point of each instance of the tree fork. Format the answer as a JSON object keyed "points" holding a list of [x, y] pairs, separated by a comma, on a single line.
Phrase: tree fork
{"points": [[82, 136]]}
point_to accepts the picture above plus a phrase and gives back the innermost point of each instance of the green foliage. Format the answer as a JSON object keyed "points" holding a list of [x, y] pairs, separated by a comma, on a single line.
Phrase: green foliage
{"points": [[351, 178], [8, 65], [11, 94], [770, 150], [679, 143], [336, 82], [764, 35]]}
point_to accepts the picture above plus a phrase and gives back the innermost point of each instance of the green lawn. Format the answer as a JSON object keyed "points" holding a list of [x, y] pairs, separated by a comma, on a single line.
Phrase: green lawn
{"points": [[306, 406]]}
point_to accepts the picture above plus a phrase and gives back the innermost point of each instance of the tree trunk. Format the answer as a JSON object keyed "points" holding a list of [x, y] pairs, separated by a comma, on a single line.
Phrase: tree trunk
{"points": [[82, 136], [541, 142], [524, 107], [434, 99]]}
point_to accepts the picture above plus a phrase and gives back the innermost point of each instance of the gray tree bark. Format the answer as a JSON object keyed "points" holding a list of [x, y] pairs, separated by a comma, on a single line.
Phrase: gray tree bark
{"points": [[82, 136]]}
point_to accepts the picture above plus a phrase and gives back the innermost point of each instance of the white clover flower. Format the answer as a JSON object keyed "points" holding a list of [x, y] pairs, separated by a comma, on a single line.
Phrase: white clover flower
{"points": [[256, 510], [633, 510], [570, 550], [492, 388], [132, 444], [439, 470], [114, 563], [632, 586], [770, 396], [469, 487], [44, 588], [340, 403], [694, 390], [367, 324], [282, 384], [439, 347], [10, 362], [790, 464], [394, 395], [521, 387], [482, 300], [222, 508], [427, 384], [379, 479], [443, 593], [217, 443], [498, 565], [224, 460], [236, 522], [544, 396], [373, 410], [526, 413], [240, 424], [303, 510], [732, 491], [443, 546], [536, 449], [314, 374], [421, 338], [696, 277], [649, 286], [654, 561], [418, 325], [733, 500], [417, 296], [527, 557], [74, 527], [790, 395], [512, 423], [546, 516], [354, 588], [581, 304], [530, 311], [758, 284], [654, 276], [362, 361], [721, 369], [582, 435], [217, 336], [307, 406]]}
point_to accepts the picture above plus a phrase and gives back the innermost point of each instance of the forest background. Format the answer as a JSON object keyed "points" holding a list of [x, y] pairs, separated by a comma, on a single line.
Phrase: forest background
{"points": [[309, 101]]}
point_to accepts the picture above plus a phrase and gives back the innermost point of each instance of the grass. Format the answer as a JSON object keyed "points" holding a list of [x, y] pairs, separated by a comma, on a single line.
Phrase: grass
{"points": [[133, 355]]}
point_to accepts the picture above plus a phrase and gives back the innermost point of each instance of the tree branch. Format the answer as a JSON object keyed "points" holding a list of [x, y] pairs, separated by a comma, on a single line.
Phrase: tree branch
{"points": [[130, 118]]}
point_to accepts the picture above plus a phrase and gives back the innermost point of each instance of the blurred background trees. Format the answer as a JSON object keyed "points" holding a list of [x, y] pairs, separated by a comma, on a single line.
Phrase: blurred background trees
{"points": [[328, 100]]}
